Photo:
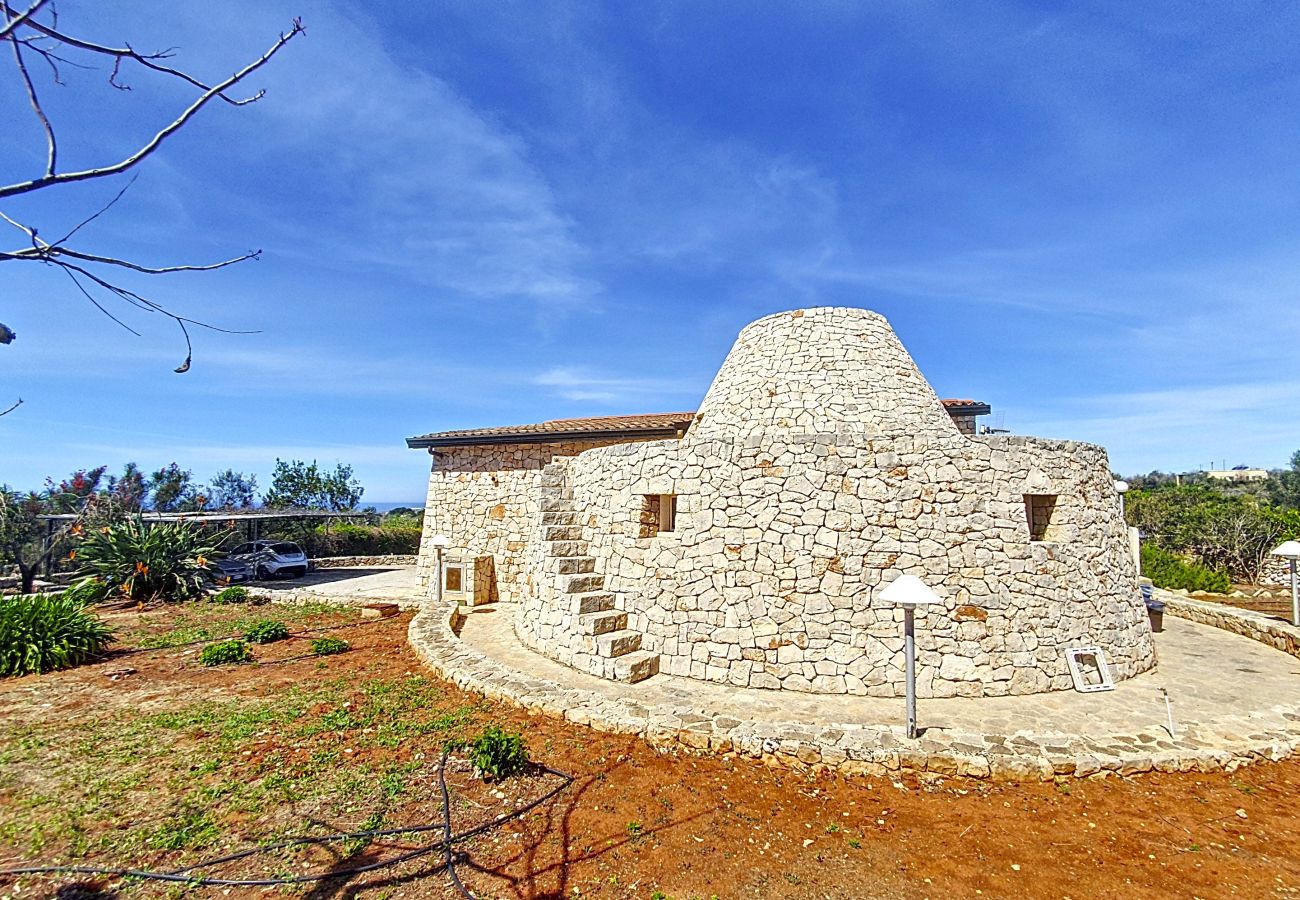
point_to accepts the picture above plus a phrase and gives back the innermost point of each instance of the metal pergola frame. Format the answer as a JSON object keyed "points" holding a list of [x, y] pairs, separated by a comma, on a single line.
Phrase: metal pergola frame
{"points": [[253, 520]]}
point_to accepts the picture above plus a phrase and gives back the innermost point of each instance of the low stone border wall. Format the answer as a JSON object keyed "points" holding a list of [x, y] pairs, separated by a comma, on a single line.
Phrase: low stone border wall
{"points": [[1257, 626], [851, 749], [341, 562]]}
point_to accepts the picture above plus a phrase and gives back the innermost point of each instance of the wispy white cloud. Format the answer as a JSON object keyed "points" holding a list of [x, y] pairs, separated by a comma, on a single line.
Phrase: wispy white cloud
{"points": [[1184, 427], [581, 384]]}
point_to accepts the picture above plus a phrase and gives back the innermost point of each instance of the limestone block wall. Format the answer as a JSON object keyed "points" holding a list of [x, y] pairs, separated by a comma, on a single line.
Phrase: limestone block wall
{"points": [[485, 500], [820, 467]]}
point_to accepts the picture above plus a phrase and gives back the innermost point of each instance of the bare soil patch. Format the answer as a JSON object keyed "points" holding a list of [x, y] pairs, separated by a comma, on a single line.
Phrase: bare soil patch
{"points": [[175, 762]]}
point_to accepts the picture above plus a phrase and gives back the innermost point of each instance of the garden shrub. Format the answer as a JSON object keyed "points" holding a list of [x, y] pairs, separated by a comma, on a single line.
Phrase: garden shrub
{"points": [[498, 754], [267, 631], [232, 594], [43, 633], [402, 539], [226, 653], [328, 646], [87, 591], [1171, 571], [162, 561]]}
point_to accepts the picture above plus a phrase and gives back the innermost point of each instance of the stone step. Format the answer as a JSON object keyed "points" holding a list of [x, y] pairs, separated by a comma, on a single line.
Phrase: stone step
{"points": [[583, 584], [561, 517], [618, 643], [553, 478], [596, 601], [567, 548], [636, 666], [570, 565], [562, 532], [603, 622]]}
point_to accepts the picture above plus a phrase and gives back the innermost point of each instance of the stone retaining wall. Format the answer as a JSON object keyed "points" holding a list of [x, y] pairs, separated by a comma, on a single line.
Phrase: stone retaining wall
{"points": [[1257, 626], [342, 562]]}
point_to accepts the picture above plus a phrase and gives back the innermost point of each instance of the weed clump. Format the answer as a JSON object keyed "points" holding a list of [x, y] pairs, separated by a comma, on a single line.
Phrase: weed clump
{"points": [[498, 754], [266, 631], [232, 594], [328, 646], [225, 653]]}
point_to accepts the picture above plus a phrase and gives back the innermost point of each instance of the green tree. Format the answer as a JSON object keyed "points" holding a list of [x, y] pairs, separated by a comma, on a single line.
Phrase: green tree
{"points": [[299, 485], [1231, 531], [127, 493], [173, 490], [24, 541], [232, 490], [1284, 487]]}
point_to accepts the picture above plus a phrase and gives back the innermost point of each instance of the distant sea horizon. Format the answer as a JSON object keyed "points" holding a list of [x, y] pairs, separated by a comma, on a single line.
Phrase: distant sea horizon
{"points": [[385, 507]]}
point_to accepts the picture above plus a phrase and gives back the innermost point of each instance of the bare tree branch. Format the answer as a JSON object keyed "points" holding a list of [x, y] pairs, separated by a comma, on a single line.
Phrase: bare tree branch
{"points": [[53, 155], [51, 252], [18, 18], [44, 38], [153, 143]]}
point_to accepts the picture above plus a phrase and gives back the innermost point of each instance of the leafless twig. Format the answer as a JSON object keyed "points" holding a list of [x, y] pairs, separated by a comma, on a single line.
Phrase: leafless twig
{"points": [[14, 18], [45, 37], [34, 184]]}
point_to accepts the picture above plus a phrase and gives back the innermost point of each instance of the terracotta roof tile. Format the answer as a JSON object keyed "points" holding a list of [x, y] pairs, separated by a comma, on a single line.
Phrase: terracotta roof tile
{"points": [[593, 428], [648, 425]]}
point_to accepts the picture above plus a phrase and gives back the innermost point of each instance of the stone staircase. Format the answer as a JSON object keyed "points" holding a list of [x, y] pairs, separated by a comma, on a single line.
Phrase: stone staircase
{"points": [[612, 649]]}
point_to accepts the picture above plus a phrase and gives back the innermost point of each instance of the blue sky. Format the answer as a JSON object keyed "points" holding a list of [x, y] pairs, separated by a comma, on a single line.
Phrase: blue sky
{"points": [[488, 213]]}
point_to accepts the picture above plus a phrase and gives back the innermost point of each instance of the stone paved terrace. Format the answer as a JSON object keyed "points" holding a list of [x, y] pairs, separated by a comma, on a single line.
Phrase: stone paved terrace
{"points": [[349, 585], [1235, 700]]}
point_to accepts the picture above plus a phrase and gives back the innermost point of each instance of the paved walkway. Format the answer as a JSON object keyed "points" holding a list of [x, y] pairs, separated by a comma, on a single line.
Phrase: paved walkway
{"points": [[1234, 700], [351, 586]]}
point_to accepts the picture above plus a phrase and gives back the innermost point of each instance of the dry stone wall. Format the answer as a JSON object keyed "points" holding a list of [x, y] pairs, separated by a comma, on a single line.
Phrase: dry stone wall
{"points": [[820, 467], [484, 499]]}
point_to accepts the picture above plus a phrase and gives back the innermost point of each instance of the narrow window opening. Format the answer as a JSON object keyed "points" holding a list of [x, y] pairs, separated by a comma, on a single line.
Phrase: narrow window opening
{"points": [[658, 514], [1040, 511]]}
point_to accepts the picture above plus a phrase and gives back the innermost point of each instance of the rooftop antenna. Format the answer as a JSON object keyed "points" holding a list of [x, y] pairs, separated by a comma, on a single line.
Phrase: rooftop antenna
{"points": [[999, 420]]}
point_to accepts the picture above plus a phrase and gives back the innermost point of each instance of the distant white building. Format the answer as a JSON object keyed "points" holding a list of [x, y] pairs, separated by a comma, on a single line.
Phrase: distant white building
{"points": [[1238, 473]]}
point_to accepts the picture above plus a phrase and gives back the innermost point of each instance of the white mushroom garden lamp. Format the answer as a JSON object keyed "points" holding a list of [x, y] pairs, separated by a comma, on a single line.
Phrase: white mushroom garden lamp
{"points": [[439, 542], [909, 592], [1290, 551]]}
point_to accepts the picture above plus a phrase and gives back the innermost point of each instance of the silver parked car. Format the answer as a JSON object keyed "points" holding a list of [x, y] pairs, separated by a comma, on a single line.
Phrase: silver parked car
{"points": [[271, 559]]}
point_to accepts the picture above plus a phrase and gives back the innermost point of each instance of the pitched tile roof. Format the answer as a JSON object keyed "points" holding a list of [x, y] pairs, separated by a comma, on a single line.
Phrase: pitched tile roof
{"points": [[652, 425], [644, 426]]}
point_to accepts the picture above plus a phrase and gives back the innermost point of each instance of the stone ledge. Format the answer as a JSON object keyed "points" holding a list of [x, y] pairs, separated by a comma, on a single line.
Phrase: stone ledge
{"points": [[1276, 633], [342, 562], [852, 749]]}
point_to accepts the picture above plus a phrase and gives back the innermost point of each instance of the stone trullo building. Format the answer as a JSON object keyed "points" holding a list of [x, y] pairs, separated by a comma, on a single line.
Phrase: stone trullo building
{"points": [[746, 543]]}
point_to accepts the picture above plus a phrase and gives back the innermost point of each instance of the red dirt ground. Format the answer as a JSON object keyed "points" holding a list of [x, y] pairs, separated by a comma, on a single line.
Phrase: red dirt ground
{"points": [[729, 827]]}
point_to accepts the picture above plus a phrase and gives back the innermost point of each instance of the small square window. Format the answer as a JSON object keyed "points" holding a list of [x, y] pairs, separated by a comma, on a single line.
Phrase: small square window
{"points": [[1040, 511], [658, 514], [454, 581]]}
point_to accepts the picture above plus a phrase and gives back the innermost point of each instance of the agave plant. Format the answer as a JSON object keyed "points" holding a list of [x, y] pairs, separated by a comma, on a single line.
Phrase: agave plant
{"points": [[40, 633], [162, 561]]}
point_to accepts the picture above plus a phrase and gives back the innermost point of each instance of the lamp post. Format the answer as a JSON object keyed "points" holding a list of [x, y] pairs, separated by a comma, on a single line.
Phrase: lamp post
{"points": [[1290, 551], [439, 542], [1121, 488], [909, 592]]}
